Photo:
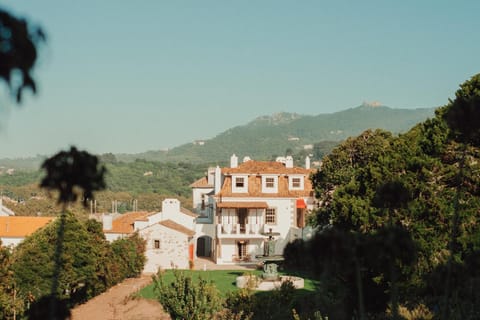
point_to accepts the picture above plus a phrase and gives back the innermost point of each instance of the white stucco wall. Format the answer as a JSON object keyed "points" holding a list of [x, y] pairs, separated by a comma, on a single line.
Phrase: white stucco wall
{"points": [[285, 215], [139, 224], [154, 218], [11, 241], [173, 248], [204, 230], [229, 249], [114, 236], [197, 196], [285, 210]]}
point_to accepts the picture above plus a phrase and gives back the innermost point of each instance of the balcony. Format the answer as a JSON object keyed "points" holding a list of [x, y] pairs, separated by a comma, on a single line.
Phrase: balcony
{"points": [[238, 230]]}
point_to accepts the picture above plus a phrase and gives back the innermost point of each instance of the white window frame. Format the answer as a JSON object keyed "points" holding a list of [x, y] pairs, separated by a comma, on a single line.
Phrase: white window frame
{"points": [[155, 241], [243, 189], [273, 189], [274, 216], [290, 183]]}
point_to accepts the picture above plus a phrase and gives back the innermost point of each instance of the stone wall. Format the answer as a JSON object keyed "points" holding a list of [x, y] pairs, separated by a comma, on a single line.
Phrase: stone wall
{"points": [[172, 251]]}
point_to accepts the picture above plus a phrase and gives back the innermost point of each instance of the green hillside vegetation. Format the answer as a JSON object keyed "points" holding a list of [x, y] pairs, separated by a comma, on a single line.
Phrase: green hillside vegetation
{"points": [[28, 163], [147, 182]]}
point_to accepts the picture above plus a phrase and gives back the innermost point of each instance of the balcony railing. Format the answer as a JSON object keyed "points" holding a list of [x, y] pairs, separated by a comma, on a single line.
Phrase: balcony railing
{"points": [[249, 228]]}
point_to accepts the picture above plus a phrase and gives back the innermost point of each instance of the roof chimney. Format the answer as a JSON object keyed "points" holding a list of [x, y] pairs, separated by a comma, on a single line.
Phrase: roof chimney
{"points": [[107, 221], [307, 162], [170, 207], [233, 161], [218, 179], [246, 158], [210, 176], [289, 162]]}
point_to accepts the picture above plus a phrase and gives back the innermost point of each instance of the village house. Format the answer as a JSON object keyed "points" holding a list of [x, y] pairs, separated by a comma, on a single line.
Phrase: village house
{"points": [[169, 234], [14, 229], [241, 205]]}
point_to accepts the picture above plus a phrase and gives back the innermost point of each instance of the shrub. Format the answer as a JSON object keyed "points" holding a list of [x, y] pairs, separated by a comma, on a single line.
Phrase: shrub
{"points": [[184, 299]]}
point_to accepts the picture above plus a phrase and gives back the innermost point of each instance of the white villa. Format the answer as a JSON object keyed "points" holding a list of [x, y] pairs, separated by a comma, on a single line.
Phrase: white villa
{"points": [[236, 207], [239, 206]]}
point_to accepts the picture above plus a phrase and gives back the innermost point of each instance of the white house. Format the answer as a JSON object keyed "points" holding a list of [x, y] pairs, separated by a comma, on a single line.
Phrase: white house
{"points": [[168, 234], [14, 229], [243, 204], [169, 245]]}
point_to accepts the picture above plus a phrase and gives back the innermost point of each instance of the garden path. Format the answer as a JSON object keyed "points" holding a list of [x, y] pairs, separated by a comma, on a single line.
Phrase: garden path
{"points": [[117, 304]]}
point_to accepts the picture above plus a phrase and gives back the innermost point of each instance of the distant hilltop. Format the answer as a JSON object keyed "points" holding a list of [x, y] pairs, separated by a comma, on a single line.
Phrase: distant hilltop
{"points": [[373, 104], [269, 136]]}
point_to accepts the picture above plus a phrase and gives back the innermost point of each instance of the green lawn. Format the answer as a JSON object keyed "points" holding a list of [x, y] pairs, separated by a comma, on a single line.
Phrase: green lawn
{"points": [[224, 280]]}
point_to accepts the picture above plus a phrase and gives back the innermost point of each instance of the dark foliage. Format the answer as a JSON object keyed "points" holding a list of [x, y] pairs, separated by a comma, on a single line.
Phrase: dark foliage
{"points": [[88, 264], [400, 218], [128, 256], [68, 171], [39, 309], [463, 113], [18, 53]]}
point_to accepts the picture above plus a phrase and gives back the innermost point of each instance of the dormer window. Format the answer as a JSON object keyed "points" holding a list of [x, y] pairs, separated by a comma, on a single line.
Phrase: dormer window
{"points": [[296, 182], [240, 184], [269, 184]]}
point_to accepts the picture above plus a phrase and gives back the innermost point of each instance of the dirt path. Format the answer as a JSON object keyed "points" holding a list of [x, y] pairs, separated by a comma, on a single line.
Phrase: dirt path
{"points": [[117, 304]]}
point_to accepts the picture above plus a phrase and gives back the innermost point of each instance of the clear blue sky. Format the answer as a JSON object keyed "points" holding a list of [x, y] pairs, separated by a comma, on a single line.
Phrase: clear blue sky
{"points": [[130, 76]]}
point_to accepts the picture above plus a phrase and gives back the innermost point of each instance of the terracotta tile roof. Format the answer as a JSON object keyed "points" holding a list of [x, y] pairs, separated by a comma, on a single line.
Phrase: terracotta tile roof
{"points": [[124, 222], [264, 167], [245, 204], [177, 227], [15, 226], [201, 183], [254, 170], [188, 212]]}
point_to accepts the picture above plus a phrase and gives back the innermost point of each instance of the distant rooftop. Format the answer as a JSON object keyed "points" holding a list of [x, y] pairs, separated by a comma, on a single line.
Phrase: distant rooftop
{"points": [[16, 227]]}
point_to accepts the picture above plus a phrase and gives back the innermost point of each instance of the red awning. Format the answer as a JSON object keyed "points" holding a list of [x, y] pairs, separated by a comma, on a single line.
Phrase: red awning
{"points": [[301, 203]]}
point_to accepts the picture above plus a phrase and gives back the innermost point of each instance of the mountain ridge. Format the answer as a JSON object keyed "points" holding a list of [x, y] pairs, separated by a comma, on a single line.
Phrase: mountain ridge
{"points": [[268, 136]]}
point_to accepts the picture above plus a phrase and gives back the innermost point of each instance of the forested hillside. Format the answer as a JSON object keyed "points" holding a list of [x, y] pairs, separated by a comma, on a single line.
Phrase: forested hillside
{"points": [[270, 136]]}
